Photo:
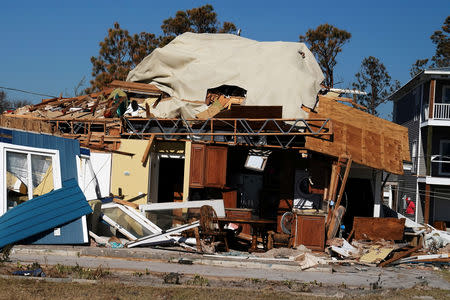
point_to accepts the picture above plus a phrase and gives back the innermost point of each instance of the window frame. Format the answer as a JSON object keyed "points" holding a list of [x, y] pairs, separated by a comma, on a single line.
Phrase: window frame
{"points": [[441, 154], [56, 168], [444, 87], [414, 157]]}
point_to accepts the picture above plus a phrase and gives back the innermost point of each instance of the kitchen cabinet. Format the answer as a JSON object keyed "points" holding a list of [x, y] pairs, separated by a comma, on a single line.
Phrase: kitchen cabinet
{"points": [[208, 166]]}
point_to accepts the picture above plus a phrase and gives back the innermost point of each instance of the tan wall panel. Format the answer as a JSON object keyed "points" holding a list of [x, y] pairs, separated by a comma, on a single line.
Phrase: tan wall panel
{"points": [[128, 172]]}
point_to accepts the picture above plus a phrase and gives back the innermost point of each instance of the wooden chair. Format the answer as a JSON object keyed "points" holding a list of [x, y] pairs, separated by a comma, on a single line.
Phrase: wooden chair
{"points": [[209, 226]]}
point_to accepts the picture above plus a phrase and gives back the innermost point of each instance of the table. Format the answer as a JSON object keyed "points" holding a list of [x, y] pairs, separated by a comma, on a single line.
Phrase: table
{"points": [[258, 226]]}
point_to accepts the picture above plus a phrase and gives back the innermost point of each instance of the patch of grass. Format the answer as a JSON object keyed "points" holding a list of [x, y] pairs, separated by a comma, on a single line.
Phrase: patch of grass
{"points": [[254, 280], [445, 273], [198, 281], [288, 283], [80, 272]]}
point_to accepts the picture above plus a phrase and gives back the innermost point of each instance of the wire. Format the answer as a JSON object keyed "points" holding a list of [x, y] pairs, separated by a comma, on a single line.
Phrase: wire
{"points": [[423, 193], [26, 92]]}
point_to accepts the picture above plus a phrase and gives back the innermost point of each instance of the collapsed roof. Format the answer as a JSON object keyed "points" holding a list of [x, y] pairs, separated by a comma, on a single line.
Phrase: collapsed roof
{"points": [[272, 73]]}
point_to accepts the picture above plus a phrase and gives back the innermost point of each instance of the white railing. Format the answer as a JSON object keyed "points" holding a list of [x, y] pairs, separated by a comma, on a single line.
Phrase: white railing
{"points": [[441, 111]]}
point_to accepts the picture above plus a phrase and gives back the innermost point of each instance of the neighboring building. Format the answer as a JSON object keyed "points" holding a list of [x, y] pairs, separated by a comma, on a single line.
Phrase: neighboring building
{"points": [[423, 106]]}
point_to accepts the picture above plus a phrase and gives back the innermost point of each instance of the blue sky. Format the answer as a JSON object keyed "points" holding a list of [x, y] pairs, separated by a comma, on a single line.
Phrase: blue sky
{"points": [[46, 45]]}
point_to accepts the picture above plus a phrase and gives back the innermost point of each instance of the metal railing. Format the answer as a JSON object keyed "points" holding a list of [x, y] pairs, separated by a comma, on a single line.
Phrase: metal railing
{"points": [[441, 111]]}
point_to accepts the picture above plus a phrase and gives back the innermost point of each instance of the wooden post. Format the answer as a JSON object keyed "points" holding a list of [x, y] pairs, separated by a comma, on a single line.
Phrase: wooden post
{"points": [[431, 99], [343, 183], [187, 170], [427, 204], [147, 150]]}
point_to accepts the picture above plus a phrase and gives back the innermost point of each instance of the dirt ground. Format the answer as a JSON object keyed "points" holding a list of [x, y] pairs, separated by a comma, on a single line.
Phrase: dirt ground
{"points": [[103, 283]]}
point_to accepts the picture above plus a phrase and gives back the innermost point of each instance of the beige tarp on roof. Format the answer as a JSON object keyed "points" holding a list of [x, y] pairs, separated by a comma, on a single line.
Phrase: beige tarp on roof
{"points": [[273, 73]]}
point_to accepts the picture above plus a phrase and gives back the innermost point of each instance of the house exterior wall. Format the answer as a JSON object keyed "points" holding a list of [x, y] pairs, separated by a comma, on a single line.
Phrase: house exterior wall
{"points": [[413, 111], [439, 134], [407, 113]]}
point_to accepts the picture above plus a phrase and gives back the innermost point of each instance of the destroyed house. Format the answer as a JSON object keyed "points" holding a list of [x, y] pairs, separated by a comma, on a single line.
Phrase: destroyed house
{"points": [[204, 127], [423, 106]]}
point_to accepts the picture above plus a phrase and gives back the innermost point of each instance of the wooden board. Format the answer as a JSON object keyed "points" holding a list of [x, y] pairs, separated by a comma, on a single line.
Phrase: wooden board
{"points": [[251, 112], [135, 86], [369, 140], [378, 228]]}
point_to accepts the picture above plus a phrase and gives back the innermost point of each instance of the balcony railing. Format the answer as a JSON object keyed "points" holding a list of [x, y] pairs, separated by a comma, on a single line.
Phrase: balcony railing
{"points": [[441, 111]]}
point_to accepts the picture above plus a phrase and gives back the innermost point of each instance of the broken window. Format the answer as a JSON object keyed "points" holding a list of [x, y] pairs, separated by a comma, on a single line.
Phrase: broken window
{"points": [[28, 173]]}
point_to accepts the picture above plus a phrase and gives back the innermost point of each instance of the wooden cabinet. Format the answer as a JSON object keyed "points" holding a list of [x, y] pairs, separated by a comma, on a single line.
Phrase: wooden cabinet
{"points": [[310, 231], [208, 166]]}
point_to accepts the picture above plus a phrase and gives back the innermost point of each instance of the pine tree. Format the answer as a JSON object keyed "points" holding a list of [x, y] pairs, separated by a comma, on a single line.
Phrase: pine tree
{"points": [[374, 79], [326, 42]]}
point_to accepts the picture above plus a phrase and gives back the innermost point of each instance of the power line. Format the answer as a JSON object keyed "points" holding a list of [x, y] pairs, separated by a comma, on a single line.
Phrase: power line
{"points": [[26, 92]]}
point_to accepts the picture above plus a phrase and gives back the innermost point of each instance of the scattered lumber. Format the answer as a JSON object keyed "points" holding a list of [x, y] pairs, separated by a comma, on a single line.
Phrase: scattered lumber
{"points": [[399, 254], [136, 87], [126, 203]]}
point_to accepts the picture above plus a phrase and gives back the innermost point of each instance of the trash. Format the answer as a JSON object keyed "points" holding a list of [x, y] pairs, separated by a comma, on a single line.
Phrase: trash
{"points": [[32, 273], [309, 260], [375, 254], [346, 250]]}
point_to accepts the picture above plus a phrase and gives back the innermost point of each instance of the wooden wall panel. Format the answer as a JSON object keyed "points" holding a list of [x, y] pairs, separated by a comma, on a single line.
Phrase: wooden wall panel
{"points": [[362, 136], [392, 153], [372, 155], [354, 142]]}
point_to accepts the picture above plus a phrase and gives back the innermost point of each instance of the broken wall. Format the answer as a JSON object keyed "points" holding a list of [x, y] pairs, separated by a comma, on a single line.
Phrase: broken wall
{"points": [[128, 173]]}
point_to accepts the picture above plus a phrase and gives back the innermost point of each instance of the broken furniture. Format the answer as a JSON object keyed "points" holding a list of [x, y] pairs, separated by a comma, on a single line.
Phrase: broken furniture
{"points": [[209, 227], [388, 229], [240, 213], [260, 228], [310, 230]]}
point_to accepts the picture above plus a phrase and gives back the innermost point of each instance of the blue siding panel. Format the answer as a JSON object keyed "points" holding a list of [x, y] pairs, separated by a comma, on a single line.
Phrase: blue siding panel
{"points": [[68, 149], [71, 233], [37, 217]]}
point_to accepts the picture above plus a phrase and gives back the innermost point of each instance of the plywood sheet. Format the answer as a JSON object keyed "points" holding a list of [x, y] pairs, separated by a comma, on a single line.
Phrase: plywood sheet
{"points": [[371, 141]]}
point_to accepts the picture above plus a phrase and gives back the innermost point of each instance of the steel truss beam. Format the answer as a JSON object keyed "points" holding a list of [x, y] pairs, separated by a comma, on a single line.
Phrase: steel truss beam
{"points": [[254, 132]]}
